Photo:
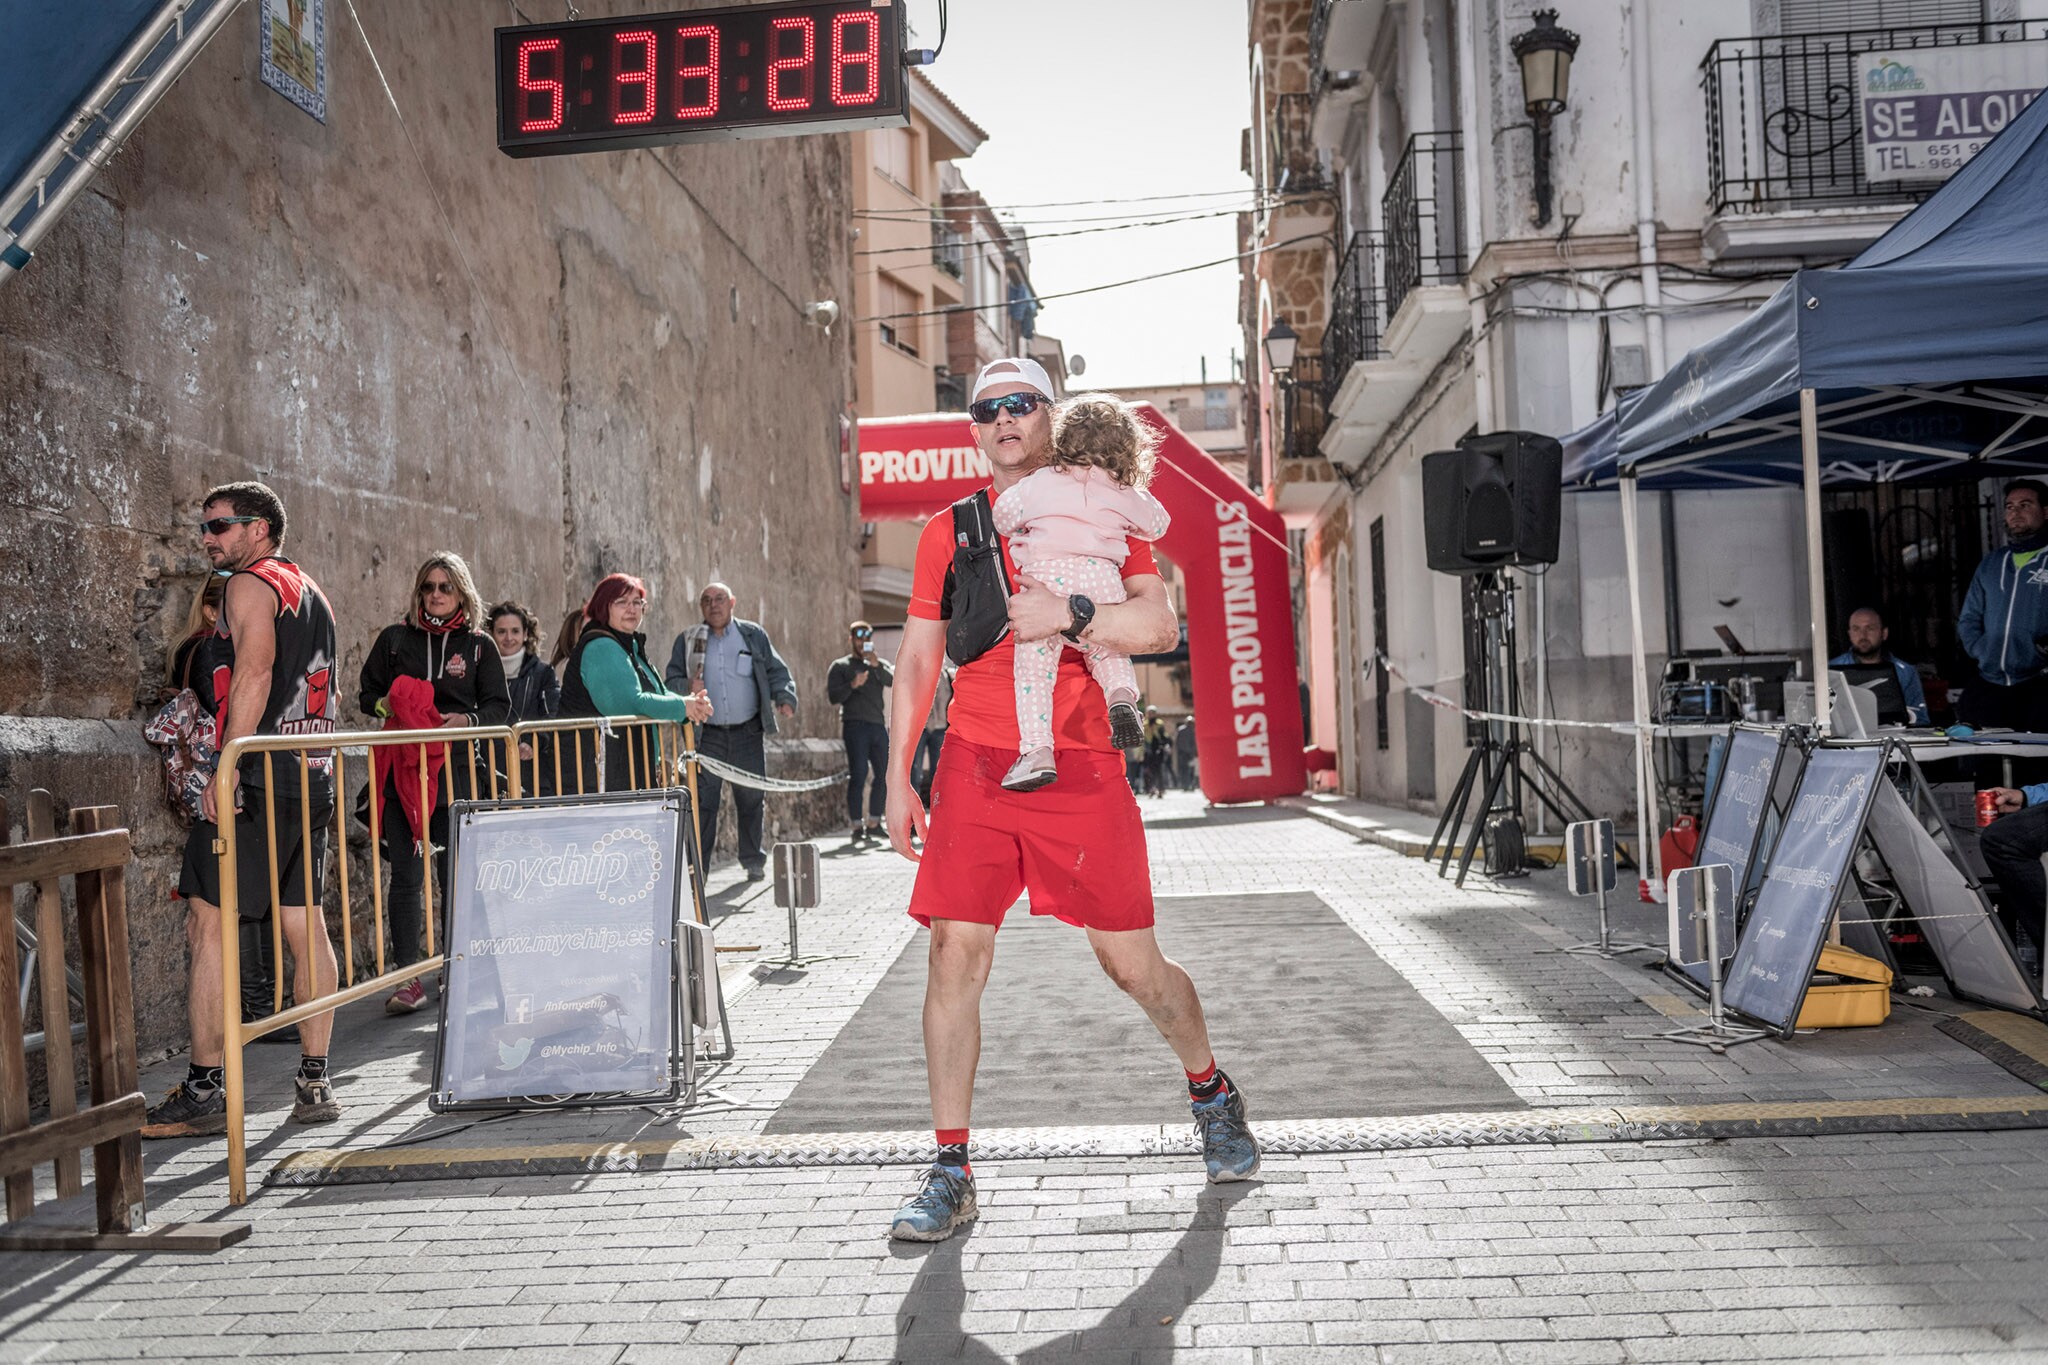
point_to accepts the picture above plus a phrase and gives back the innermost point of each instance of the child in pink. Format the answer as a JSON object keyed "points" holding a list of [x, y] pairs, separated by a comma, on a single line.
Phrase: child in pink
{"points": [[1069, 525]]}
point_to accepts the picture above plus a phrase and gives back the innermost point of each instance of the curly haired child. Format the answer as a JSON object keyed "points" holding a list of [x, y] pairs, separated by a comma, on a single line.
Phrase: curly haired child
{"points": [[1069, 527]]}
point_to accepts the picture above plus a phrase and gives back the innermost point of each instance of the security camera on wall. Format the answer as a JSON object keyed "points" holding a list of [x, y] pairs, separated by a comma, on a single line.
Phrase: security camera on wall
{"points": [[822, 314]]}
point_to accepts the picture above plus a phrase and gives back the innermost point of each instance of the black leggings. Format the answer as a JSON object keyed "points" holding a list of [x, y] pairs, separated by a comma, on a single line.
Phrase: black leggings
{"points": [[867, 747]]}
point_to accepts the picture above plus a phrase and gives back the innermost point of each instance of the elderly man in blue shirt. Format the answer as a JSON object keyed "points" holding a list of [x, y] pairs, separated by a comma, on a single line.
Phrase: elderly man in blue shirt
{"points": [[1869, 657], [750, 686]]}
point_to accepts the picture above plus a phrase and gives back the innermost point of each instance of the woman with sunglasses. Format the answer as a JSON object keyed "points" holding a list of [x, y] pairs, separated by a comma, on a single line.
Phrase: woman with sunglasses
{"points": [[441, 644], [609, 675]]}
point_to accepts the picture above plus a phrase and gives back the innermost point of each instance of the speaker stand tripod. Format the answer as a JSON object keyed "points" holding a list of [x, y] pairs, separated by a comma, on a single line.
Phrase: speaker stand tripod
{"points": [[1501, 763]]}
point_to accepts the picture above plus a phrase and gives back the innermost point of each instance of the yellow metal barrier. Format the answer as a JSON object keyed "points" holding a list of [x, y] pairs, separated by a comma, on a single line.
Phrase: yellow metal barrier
{"points": [[479, 750], [624, 753]]}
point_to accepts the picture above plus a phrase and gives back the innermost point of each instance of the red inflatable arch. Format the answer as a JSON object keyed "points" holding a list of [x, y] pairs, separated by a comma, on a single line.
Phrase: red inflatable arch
{"points": [[1230, 548]]}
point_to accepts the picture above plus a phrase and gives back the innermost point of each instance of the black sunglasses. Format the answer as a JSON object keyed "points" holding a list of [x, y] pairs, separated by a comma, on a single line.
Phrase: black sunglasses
{"points": [[1016, 404], [219, 525], [862, 634]]}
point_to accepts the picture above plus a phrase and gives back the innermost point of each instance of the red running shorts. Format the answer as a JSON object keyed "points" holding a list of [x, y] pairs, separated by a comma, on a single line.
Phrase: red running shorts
{"points": [[1077, 845]]}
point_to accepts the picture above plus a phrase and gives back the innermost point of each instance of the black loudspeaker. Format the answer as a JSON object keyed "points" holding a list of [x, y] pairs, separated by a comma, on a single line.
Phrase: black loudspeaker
{"points": [[1492, 503]]}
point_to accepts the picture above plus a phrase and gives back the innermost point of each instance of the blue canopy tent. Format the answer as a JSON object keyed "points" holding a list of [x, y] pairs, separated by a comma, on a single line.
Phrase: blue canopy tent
{"points": [[1926, 356]]}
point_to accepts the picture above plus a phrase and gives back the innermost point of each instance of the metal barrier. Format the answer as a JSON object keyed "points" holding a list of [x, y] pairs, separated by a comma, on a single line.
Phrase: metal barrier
{"points": [[477, 744], [615, 753]]}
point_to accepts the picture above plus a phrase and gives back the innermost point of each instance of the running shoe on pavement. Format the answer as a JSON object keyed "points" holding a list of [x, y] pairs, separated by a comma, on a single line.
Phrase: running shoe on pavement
{"points": [[315, 1102], [1228, 1148], [944, 1202], [406, 998], [186, 1112]]}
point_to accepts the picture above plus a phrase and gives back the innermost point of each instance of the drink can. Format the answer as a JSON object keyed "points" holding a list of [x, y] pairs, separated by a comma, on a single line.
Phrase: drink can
{"points": [[1987, 808]]}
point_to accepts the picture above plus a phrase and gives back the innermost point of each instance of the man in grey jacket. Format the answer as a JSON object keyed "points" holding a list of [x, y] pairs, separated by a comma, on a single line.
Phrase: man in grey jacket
{"points": [[750, 686]]}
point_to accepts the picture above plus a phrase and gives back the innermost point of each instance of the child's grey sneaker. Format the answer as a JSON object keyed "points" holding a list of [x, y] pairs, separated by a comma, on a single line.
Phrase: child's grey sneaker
{"points": [[1031, 771], [1126, 731]]}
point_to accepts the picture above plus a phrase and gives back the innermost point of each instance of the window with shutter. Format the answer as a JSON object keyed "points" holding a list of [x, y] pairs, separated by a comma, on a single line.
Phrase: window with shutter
{"points": [[1840, 16]]}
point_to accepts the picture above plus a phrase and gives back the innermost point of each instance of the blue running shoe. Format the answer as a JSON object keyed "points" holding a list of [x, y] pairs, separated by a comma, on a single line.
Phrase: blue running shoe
{"points": [[944, 1202], [1228, 1148]]}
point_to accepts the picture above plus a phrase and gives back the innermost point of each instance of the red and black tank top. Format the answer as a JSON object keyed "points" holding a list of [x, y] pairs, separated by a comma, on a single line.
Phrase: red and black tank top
{"points": [[301, 700]]}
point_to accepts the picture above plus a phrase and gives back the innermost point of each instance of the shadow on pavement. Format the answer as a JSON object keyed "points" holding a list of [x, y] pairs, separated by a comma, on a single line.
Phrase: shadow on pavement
{"points": [[928, 1322]]}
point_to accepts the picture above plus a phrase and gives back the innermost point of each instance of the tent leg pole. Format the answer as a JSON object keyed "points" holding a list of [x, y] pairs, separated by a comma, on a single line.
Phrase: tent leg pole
{"points": [[1647, 858], [1816, 582]]}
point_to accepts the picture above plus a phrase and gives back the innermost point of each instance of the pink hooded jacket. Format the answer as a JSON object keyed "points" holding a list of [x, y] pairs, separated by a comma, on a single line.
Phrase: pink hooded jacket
{"points": [[1075, 511]]}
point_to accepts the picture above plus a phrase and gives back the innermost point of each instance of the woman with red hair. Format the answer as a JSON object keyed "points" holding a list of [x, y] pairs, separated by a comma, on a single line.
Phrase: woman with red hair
{"points": [[608, 675]]}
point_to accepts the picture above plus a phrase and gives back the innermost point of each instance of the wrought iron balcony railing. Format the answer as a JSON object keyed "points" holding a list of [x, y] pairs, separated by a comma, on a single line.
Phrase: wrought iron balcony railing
{"points": [[1304, 410], [949, 251], [1783, 127], [1424, 213], [1354, 330], [1292, 166]]}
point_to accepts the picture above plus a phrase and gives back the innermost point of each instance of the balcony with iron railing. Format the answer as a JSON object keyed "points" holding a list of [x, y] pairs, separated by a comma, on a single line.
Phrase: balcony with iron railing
{"points": [[949, 251], [1784, 123], [1423, 210], [1353, 332], [1303, 410]]}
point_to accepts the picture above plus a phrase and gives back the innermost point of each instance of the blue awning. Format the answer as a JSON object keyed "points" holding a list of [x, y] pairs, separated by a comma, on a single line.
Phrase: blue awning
{"points": [[1928, 352], [52, 52]]}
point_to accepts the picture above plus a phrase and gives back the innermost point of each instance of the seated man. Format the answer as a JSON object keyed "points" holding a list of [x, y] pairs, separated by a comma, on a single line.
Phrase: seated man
{"points": [[1900, 698], [2012, 846]]}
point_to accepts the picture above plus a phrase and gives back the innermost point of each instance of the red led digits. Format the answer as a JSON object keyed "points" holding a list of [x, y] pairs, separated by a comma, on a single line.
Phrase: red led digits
{"points": [[640, 109], [529, 87], [863, 57], [800, 64], [687, 71]]}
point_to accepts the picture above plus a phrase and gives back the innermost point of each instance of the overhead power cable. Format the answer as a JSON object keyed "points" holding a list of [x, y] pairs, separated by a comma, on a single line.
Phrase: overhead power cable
{"points": [[1239, 192], [925, 215], [1096, 288], [1037, 237]]}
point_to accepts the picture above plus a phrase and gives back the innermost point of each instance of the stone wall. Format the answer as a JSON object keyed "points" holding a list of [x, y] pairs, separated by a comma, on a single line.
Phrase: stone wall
{"points": [[557, 367]]}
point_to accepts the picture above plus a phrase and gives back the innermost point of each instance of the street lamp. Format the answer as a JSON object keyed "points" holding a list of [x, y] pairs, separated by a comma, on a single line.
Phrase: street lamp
{"points": [[1545, 53], [1280, 341]]}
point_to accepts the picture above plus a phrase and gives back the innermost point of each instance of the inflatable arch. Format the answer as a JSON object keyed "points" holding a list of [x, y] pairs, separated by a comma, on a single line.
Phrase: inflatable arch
{"points": [[1230, 548]]}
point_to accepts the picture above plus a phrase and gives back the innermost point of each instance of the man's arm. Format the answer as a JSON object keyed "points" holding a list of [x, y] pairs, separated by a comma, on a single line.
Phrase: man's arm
{"points": [[252, 621], [1970, 625], [1915, 693], [838, 686], [677, 674], [781, 684], [918, 661], [1143, 624]]}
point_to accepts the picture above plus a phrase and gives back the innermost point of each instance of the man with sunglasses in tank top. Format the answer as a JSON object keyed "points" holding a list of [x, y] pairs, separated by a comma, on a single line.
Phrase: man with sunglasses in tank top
{"points": [[1078, 846], [273, 675]]}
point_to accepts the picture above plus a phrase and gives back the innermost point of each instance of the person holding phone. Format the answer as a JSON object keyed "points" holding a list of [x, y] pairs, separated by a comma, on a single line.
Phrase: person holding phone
{"points": [[856, 685]]}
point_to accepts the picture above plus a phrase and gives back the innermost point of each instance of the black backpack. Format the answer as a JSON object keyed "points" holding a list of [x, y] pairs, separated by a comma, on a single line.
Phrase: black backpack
{"points": [[976, 600]]}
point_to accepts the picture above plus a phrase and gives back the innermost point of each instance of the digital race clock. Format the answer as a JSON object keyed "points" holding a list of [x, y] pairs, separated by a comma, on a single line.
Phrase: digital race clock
{"points": [[706, 75]]}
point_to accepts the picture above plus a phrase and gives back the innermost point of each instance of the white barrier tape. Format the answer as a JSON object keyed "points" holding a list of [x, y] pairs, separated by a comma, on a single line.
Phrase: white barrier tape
{"points": [[1437, 699], [740, 777]]}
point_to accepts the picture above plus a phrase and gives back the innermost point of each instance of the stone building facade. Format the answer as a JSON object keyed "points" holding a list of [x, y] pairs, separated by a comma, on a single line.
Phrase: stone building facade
{"points": [[557, 367]]}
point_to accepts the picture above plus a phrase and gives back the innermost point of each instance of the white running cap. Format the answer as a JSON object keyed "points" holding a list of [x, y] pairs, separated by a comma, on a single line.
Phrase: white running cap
{"points": [[1011, 370]]}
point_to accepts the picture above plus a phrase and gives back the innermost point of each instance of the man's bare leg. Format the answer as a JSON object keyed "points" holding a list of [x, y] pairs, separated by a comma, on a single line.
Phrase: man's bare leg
{"points": [[313, 974], [1162, 988], [203, 983], [961, 953], [1164, 991]]}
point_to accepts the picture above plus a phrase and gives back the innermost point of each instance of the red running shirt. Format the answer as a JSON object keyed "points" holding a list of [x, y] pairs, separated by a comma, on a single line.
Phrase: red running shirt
{"points": [[984, 709]]}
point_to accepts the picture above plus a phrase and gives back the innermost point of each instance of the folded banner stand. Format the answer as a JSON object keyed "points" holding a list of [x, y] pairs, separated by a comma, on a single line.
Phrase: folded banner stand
{"points": [[1702, 901], [1758, 771], [1946, 901], [575, 974], [1589, 871]]}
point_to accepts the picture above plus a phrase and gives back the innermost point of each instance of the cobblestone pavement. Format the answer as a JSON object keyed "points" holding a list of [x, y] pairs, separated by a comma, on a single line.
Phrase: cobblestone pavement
{"points": [[1903, 1246]]}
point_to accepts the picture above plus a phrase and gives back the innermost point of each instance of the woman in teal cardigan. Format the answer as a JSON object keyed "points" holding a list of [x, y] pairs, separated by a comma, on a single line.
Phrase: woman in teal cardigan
{"points": [[608, 675]]}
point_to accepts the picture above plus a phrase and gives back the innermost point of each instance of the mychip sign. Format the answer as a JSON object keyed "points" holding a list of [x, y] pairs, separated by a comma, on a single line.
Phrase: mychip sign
{"points": [[1926, 111], [562, 959]]}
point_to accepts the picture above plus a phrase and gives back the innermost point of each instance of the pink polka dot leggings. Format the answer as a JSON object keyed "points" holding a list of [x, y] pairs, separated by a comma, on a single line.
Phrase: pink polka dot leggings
{"points": [[1037, 663]]}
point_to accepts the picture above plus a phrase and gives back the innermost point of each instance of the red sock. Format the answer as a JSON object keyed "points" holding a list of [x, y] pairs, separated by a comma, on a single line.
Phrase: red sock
{"points": [[1207, 1083], [953, 1148]]}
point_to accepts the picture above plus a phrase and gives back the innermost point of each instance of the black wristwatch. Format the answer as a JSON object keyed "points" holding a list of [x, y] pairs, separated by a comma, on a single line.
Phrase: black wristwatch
{"points": [[1083, 612]]}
